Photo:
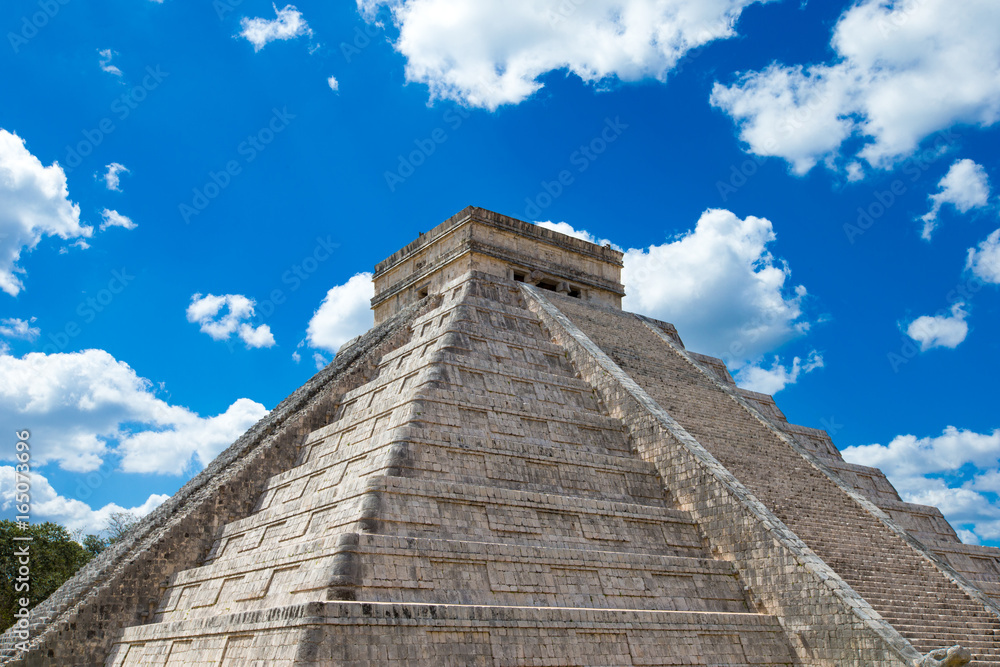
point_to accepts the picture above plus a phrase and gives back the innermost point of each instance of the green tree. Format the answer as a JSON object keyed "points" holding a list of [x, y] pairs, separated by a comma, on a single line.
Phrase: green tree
{"points": [[54, 557], [94, 544]]}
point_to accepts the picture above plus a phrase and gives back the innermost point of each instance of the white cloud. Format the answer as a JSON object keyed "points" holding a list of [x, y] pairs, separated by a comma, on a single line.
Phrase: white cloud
{"points": [[205, 311], [320, 361], [788, 112], [855, 172], [259, 337], [967, 536], [944, 329], [720, 286], [908, 458], [921, 467], [288, 24], [333, 83], [115, 219], [112, 178], [12, 327], [903, 70], [345, 313], [772, 380], [83, 407], [72, 513], [984, 260], [568, 230], [486, 53], [105, 59], [171, 450], [965, 187], [35, 204], [722, 289]]}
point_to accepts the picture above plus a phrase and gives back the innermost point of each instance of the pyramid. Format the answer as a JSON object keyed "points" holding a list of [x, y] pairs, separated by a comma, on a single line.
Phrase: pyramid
{"points": [[509, 470]]}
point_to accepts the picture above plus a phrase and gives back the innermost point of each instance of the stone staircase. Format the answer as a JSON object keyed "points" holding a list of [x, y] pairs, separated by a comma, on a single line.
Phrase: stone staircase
{"points": [[472, 504], [913, 595]]}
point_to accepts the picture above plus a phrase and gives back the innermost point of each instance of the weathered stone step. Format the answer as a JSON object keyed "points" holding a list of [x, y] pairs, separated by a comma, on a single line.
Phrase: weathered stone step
{"points": [[426, 508], [486, 460], [507, 415], [364, 634], [890, 589], [481, 361], [421, 508], [294, 492], [483, 342], [916, 594], [463, 322], [390, 569], [525, 465], [930, 618]]}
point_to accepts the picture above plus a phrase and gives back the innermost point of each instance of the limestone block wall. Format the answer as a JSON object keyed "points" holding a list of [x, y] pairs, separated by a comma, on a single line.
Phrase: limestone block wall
{"points": [[414, 635]]}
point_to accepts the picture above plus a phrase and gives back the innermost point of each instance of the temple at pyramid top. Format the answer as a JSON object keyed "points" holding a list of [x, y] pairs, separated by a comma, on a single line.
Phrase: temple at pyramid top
{"points": [[479, 240]]}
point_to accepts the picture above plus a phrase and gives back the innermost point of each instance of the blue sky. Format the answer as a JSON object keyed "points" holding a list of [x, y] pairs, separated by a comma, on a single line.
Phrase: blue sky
{"points": [[191, 195]]}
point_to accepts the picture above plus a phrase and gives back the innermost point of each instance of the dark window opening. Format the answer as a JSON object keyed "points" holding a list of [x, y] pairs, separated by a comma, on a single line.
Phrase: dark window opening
{"points": [[548, 284], [423, 291], [519, 277], [575, 293]]}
